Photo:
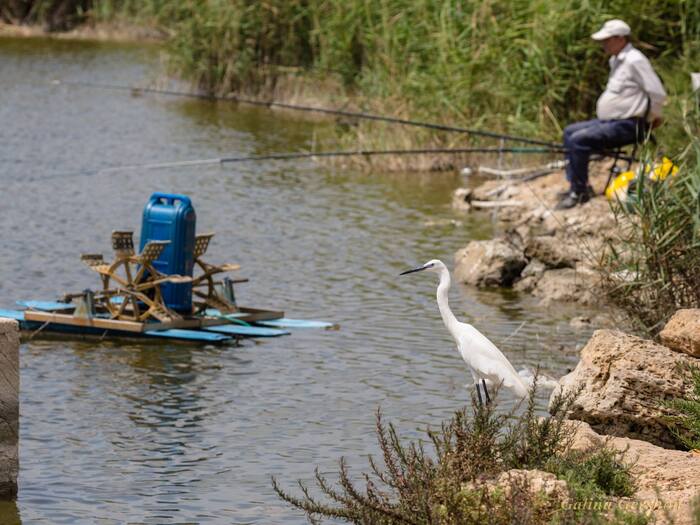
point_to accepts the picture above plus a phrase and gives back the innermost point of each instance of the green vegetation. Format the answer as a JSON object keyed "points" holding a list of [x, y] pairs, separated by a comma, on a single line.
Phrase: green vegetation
{"points": [[55, 15], [457, 482], [686, 426], [652, 268], [527, 67]]}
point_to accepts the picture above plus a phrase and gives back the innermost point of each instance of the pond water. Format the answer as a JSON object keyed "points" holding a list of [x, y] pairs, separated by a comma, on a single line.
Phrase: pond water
{"points": [[115, 432]]}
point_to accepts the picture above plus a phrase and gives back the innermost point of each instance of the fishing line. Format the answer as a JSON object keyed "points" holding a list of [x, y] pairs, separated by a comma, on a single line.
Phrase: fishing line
{"points": [[315, 109]]}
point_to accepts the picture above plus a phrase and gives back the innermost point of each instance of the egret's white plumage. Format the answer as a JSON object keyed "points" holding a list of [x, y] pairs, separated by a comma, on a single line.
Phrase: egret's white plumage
{"points": [[485, 361]]}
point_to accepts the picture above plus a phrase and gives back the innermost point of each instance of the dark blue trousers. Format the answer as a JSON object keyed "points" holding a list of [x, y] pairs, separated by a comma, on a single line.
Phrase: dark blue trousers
{"points": [[590, 136]]}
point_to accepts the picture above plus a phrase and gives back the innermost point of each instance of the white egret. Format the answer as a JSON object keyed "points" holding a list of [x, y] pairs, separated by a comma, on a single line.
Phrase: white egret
{"points": [[486, 362]]}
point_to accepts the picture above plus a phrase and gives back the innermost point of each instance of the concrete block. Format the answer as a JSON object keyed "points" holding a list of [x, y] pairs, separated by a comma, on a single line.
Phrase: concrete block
{"points": [[9, 407]]}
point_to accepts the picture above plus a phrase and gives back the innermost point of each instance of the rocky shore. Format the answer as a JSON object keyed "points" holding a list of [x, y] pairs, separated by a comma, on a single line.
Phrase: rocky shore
{"points": [[550, 254], [667, 482], [625, 384]]}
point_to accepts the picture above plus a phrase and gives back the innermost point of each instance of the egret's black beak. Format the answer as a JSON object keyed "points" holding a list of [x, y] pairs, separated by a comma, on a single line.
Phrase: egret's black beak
{"points": [[419, 269]]}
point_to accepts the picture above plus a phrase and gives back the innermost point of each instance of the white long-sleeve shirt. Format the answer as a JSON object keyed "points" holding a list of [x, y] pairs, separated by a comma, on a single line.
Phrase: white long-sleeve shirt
{"points": [[631, 80]]}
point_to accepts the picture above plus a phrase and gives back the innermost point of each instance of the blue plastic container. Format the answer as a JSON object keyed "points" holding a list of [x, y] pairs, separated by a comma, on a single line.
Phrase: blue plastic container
{"points": [[171, 217]]}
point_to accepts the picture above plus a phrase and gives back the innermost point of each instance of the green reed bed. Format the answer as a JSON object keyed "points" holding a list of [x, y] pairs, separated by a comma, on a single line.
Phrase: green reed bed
{"points": [[520, 66], [525, 67]]}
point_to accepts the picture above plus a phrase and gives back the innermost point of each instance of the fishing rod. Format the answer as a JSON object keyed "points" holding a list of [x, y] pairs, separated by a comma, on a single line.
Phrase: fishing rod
{"points": [[370, 153], [315, 109], [326, 154], [302, 155], [554, 147]]}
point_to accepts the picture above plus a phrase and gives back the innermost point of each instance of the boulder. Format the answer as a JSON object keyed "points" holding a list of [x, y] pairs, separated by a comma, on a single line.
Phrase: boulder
{"points": [[682, 332], [568, 284], [552, 251], [9, 407], [580, 321], [543, 487], [530, 276], [537, 483], [665, 480], [593, 218], [623, 382], [461, 199], [489, 263]]}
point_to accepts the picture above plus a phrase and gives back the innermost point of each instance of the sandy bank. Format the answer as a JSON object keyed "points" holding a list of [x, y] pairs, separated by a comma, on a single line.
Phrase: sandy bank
{"points": [[101, 32]]}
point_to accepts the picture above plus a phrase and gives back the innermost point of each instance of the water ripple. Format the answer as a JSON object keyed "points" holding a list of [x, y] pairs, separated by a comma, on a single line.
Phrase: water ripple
{"points": [[115, 432]]}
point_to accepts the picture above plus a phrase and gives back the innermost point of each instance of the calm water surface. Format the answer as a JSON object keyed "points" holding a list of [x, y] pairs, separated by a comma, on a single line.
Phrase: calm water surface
{"points": [[115, 432]]}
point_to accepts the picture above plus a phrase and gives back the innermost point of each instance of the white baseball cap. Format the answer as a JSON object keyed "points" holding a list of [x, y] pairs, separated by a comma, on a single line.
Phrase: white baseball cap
{"points": [[610, 28]]}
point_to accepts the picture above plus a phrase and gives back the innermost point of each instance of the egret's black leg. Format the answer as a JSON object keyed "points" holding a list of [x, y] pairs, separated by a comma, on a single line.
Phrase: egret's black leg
{"points": [[486, 392], [478, 394]]}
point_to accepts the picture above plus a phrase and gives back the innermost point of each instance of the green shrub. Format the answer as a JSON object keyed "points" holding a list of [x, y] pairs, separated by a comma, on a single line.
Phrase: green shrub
{"points": [[592, 473], [686, 426], [454, 482]]}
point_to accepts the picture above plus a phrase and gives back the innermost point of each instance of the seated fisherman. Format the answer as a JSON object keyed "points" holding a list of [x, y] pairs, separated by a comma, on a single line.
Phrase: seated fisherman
{"points": [[630, 105]]}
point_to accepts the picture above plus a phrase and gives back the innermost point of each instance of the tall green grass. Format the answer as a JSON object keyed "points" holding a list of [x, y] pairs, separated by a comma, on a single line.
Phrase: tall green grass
{"points": [[522, 66]]}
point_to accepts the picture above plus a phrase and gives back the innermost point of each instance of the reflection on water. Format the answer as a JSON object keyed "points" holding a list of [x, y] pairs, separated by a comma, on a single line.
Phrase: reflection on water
{"points": [[115, 432]]}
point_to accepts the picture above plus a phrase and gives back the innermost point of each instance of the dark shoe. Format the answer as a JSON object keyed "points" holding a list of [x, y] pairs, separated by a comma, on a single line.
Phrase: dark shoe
{"points": [[589, 190], [572, 199]]}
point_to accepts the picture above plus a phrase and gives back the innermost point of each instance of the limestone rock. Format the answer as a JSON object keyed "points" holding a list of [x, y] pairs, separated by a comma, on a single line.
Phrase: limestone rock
{"points": [[530, 276], [580, 321], [488, 263], [491, 189], [663, 477], [526, 284], [461, 199], [568, 284], [533, 482], [552, 251], [9, 407], [624, 381], [682, 332], [537, 482]]}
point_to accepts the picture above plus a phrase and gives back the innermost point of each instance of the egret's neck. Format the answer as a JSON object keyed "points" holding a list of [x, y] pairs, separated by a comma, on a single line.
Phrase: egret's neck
{"points": [[442, 300]]}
